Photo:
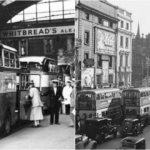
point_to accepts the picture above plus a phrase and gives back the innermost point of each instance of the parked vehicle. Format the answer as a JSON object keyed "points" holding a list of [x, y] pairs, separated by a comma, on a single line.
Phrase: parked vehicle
{"points": [[83, 142], [100, 128], [131, 126], [133, 143]]}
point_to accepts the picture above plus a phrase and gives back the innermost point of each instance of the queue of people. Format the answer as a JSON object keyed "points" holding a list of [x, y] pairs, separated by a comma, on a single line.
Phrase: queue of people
{"points": [[57, 95]]}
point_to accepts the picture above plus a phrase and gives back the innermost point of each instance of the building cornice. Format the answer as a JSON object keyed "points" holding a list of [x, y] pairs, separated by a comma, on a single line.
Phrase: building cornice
{"points": [[82, 6], [124, 32], [130, 20]]}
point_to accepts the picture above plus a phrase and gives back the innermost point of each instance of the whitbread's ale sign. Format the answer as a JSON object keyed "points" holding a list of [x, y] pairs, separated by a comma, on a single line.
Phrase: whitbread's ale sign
{"points": [[37, 32]]}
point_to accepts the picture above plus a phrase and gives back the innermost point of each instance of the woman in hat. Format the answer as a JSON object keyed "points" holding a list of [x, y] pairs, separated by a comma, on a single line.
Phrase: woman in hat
{"points": [[36, 108]]}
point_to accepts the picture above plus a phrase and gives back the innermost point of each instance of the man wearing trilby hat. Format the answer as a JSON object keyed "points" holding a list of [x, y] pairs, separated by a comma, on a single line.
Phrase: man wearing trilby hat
{"points": [[55, 95]]}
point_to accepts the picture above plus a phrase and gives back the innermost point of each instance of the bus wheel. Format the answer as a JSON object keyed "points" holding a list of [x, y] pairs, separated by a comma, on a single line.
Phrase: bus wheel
{"points": [[7, 124]]}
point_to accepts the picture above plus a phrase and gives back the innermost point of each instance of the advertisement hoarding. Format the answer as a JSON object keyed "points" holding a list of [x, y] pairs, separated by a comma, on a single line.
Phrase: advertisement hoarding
{"points": [[105, 42], [88, 77]]}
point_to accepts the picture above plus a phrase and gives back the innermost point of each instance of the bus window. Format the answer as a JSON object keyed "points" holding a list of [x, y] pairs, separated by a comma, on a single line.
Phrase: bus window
{"points": [[24, 82], [98, 97], [108, 95], [6, 58], [17, 61], [24, 64], [102, 95], [131, 112], [103, 113], [85, 97], [12, 60], [1, 60], [49, 67]]}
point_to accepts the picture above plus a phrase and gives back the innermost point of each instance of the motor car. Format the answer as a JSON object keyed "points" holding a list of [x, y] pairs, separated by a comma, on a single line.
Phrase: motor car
{"points": [[83, 142], [132, 143], [100, 128], [131, 126]]}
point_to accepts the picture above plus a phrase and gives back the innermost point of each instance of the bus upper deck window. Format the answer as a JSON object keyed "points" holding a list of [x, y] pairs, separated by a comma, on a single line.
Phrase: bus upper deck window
{"points": [[6, 58], [12, 60], [17, 61], [102, 95]]}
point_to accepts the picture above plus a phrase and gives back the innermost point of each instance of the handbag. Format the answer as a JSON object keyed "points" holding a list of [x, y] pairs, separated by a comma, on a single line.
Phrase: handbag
{"points": [[28, 103]]}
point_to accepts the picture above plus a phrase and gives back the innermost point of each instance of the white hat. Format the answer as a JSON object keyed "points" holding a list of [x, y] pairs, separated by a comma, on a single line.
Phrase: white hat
{"points": [[69, 81], [55, 81]]}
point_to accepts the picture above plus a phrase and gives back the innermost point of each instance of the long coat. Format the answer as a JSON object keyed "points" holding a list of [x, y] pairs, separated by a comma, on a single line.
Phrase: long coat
{"points": [[54, 99]]}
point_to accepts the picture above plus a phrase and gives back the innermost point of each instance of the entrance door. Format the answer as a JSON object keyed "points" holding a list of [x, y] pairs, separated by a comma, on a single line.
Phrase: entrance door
{"points": [[24, 110]]}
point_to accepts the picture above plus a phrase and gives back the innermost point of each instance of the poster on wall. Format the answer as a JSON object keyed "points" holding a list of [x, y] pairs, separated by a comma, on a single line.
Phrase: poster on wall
{"points": [[88, 77], [105, 42], [65, 54], [105, 70], [48, 46]]}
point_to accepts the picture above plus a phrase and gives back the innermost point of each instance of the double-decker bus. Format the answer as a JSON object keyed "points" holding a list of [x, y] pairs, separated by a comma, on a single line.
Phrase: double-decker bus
{"points": [[42, 70], [99, 103], [9, 94], [136, 103]]}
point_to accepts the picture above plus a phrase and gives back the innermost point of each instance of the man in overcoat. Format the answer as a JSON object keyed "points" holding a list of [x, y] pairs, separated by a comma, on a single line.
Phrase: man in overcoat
{"points": [[55, 95]]}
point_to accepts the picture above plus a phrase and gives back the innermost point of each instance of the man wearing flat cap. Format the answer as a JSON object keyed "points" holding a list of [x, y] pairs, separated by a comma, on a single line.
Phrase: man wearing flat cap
{"points": [[55, 95]]}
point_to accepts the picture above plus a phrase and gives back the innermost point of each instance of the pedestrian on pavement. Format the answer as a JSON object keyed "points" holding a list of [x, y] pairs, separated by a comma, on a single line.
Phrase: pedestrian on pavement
{"points": [[36, 106], [67, 90], [72, 103], [55, 96]]}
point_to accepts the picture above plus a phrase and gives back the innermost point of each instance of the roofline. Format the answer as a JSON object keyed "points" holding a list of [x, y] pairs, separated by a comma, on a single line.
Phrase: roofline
{"points": [[79, 5]]}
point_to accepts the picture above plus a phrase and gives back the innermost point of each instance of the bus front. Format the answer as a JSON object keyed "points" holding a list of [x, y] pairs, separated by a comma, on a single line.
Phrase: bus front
{"points": [[86, 107], [131, 103]]}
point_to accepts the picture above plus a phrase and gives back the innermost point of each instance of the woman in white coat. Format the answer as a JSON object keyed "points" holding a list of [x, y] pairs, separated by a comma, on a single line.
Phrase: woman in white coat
{"points": [[36, 108]]}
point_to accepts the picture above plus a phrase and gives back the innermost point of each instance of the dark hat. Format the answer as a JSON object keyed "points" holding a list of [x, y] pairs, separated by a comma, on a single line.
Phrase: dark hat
{"points": [[69, 81], [31, 82], [55, 81]]}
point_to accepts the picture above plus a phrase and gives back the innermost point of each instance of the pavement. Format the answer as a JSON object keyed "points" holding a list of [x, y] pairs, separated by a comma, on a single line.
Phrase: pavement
{"points": [[45, 137]]}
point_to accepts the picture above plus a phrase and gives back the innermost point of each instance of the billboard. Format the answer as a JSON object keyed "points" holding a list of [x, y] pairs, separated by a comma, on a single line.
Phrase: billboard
{"points": [[105, 42], [105, 72], [88, 77]]}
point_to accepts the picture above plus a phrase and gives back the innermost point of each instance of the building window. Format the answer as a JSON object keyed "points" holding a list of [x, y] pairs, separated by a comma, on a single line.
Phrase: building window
{"points": [[110, 78], [121, 41], [105, 23], [99, 61], [127, 42], [122, 24], [110, 61], [86, 37], [126, 60], [127, 26], [99, 79], [87, 16], [100, 20], [86, 55], [111, 25], [121, 60]]}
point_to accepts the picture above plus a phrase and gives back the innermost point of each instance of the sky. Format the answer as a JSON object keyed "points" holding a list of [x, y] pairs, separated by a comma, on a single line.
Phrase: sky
{"points": [[140, 10]]}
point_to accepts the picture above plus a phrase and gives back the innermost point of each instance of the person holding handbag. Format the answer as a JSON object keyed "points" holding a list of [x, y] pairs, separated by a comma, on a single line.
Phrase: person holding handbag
{"points": [[36, 106]]}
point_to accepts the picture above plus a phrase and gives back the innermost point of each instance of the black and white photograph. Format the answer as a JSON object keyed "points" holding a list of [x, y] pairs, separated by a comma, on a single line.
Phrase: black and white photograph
{"points": [[112, 37], [37, 77]]}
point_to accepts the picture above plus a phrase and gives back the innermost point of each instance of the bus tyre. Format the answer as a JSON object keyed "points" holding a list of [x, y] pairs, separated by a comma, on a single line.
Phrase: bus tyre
{"points": [[94, 146], [7, 124]]}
